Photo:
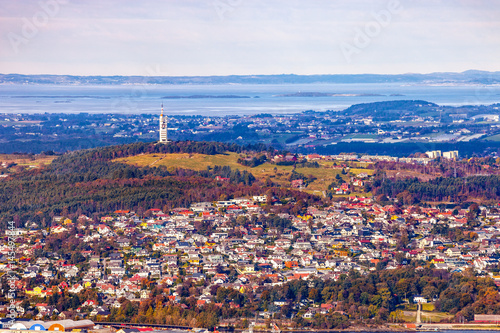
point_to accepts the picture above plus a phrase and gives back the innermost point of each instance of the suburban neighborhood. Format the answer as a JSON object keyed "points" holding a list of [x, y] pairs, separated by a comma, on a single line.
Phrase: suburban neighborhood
{"points": [[234, 244]]}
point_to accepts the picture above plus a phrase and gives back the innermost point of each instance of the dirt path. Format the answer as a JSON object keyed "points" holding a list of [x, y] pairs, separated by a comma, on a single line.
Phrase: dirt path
{"points": [[157, 161]]}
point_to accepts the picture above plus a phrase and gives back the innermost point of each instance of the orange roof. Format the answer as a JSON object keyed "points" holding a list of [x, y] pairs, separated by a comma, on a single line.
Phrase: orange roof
{"points": [[299, 275]]}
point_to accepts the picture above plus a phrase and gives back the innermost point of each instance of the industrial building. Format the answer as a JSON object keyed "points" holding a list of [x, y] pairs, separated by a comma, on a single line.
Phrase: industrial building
{"points": [[67, 325]]}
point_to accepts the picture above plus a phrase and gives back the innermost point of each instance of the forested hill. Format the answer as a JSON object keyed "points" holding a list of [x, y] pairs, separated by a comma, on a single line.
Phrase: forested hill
{"points": [[390, 109], [88, 182], [447, 189]]}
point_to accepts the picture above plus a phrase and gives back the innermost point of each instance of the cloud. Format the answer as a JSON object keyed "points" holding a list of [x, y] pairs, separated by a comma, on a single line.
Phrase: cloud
{"points": [[195, 37]]}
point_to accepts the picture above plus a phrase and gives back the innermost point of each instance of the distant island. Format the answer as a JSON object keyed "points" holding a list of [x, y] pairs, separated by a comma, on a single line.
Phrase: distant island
{"points": [[204, 96], [320, 94], [467, 77]]}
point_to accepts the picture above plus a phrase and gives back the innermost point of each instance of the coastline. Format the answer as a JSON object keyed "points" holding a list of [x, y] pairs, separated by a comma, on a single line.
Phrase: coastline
{"points": [[395, 328]]}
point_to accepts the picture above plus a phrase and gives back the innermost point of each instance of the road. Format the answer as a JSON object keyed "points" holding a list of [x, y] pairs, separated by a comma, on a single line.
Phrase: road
{"points": [[419, 310], [127, 325]]}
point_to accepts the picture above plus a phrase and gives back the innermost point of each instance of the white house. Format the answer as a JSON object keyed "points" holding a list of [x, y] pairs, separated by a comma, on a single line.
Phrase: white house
{"points": [[419, 299]]}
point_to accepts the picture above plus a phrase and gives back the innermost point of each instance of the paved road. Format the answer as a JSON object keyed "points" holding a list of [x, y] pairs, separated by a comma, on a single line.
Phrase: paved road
{"points": [[126, 325]]}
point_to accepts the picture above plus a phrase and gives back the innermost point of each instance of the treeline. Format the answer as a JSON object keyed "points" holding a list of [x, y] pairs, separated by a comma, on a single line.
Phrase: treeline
{"points": [[61, 144], [263, 221], [234, 176], [190, 147], [465, 149], [445, 167], [442, 189], [252, 162]]}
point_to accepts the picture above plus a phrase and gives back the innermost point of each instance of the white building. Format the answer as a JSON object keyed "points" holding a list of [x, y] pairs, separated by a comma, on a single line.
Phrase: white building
{"points": [[453, 154], [259, 198], [433, 153], [419, 299], [163, 127]]}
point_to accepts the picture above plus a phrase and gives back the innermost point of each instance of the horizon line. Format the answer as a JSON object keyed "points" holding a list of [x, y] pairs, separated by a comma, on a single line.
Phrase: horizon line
{"points": [[276, 74]]}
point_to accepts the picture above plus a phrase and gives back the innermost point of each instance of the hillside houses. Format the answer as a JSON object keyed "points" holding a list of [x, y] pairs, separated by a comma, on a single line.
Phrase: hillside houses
{"points": [[208, 242]]}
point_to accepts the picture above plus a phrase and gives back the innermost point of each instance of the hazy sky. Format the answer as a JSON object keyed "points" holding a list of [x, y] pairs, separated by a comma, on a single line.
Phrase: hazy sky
{"points": [[221, 37]]}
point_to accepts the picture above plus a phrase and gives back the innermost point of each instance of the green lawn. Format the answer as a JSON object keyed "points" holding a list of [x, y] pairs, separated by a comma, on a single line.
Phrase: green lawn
{"points": [[435, 317], [409, 316], [428, 307]]}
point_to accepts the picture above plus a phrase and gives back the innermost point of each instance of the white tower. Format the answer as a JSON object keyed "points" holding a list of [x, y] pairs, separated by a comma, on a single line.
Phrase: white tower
{"points": [[163, 127]]}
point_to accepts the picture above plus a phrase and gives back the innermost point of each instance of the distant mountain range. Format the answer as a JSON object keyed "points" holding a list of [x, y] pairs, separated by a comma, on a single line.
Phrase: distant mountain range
{"points": [[467, 77]]}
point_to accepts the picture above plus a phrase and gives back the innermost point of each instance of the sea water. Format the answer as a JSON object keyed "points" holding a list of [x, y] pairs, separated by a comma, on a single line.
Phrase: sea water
{"points": [[228, 99]]}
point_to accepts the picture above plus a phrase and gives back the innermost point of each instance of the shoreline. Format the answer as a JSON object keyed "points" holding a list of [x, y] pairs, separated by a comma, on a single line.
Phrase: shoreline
{"points": [[395, 328]]}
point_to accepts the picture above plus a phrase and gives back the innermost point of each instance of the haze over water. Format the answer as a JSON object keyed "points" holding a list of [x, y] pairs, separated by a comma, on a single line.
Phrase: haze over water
{"points": [[240, 99]]}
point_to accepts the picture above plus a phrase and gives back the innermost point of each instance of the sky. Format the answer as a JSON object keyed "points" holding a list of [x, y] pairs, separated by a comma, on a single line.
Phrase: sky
{"points": [[241, 37]]}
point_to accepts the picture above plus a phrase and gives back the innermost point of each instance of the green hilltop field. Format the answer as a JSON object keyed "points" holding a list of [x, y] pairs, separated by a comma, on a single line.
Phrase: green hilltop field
{"points": [[280, 174]]}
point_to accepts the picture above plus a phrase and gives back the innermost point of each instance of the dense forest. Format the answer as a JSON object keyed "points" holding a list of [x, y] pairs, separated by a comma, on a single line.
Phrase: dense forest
{"points": [[466, 149], [441, 188], [200, 147], [88, 182]]}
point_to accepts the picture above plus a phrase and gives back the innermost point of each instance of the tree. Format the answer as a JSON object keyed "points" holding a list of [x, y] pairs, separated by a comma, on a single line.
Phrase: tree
{"points": [[313, 294]]}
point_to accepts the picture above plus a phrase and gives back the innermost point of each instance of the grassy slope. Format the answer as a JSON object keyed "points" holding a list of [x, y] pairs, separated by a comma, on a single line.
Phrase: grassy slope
{"points": [[325, 174], [25, 160], [428, 314]]}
